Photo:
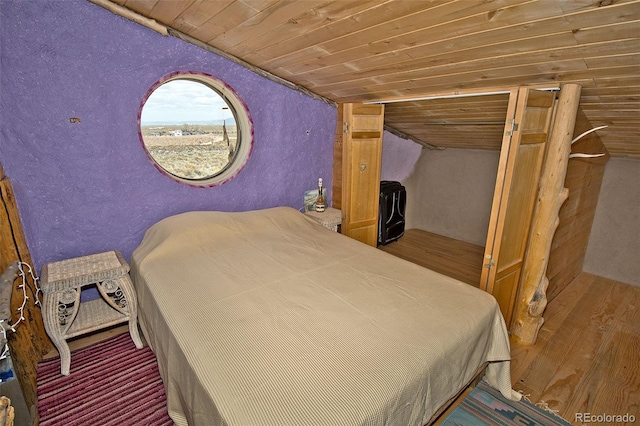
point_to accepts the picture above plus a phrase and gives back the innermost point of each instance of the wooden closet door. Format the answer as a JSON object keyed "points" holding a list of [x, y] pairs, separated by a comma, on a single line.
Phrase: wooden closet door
{"points": [[530, 113], [361, 162]]}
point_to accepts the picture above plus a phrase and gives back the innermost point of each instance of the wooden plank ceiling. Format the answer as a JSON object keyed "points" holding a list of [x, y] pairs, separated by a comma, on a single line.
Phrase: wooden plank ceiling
{"points": [[381, 50]]}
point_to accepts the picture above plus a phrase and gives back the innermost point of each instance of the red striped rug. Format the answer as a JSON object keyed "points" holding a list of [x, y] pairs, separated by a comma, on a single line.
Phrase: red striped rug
{"points": [[110, 383]]}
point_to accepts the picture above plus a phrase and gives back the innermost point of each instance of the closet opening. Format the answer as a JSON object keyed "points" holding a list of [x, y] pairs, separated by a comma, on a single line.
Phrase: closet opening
{"points": [[449, 194], [471, 197]]}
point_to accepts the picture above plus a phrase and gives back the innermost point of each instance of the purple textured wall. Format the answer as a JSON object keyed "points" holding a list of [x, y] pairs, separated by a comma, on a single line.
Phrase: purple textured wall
{"points": [[88, 187]]}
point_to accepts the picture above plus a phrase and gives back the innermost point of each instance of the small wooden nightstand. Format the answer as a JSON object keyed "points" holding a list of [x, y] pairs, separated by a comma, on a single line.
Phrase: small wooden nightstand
{"points": [[330, 218], [66, 316]]}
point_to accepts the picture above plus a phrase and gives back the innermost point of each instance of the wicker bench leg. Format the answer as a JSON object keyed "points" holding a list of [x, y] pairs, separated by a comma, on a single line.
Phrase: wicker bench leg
{"points": [[132, 304], [52, 325], [119, 293]]}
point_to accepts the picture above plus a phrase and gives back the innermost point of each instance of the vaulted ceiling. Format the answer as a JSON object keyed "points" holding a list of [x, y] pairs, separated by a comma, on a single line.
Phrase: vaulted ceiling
{"points": [[423, 52]]}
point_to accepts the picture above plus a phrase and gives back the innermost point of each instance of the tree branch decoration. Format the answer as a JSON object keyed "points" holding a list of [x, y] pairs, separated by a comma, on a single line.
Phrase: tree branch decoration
{"points": [[580, 136]]}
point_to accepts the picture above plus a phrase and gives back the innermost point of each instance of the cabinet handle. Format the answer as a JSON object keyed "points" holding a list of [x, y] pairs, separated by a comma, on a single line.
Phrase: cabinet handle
{"points": [[363, 167]]}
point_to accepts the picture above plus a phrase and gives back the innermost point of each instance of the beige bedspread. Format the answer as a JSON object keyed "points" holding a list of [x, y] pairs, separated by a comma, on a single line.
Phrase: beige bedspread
{"points": [[266, 318]]}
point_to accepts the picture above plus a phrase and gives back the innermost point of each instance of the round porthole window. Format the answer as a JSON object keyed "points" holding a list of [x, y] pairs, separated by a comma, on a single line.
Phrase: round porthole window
{"points": [[195, 129]]}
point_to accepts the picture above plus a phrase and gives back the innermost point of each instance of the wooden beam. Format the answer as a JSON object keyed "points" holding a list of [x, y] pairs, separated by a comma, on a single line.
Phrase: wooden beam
{"points": [[131, 15], [403, 135], [532, 299], [30, 341]]}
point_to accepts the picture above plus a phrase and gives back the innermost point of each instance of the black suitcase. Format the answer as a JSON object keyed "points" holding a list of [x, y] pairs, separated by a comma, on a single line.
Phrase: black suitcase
{"points": [[393, 201]]}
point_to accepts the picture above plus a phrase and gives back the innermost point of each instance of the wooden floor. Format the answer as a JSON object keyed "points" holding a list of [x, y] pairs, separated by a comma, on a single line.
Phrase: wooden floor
{"points": [[587, 356], [454, 258]]}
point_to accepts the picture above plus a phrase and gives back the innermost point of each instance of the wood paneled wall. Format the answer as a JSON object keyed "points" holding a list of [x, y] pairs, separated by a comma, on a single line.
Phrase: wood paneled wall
{"points": [[584, 179]]}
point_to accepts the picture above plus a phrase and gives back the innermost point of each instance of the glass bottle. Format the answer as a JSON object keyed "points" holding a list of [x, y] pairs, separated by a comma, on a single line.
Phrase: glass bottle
{"points": [[320, 202]]}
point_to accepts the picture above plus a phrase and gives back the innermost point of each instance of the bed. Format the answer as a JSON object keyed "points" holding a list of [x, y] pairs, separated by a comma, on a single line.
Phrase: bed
{"points": [[267, 318]]}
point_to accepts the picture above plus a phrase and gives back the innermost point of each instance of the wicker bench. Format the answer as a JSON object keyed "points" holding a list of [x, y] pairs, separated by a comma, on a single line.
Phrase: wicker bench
{"points": [[66, 316]]}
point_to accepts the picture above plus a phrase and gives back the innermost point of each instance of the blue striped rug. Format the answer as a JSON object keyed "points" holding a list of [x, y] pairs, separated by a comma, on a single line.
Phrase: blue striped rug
{"points": [[486, 406]]}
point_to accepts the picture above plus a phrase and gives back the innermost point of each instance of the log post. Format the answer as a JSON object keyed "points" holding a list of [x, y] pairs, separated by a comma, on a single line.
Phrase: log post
{"points": [[532, 299], [129, 14], [30, 341]]}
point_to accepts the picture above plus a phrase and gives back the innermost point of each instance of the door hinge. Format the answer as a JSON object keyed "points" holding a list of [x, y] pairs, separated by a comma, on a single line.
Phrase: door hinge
{"points": [[491, 262], [345, 127], [514, 126]]}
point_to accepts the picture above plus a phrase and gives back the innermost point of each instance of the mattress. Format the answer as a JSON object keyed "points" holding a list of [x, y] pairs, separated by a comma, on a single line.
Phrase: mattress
{"points": [[267, 318]]}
